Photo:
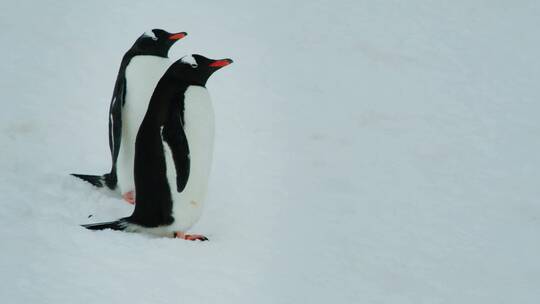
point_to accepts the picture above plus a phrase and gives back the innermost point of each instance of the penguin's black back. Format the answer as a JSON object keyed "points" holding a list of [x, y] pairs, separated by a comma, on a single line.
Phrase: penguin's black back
{"points": [[162, 122], [157, 43], [142, 46]]}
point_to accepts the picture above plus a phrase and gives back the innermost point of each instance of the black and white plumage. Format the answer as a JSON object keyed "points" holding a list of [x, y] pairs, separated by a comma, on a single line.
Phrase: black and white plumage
{"points": [[173, 152], [140, 70]]}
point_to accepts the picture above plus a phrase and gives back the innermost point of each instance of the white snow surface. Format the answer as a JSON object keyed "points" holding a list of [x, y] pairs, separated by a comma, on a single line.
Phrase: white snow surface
{"points": [[406, 171]]}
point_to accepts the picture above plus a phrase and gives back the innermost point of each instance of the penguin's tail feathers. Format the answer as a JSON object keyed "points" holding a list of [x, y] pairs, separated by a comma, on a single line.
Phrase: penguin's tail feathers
{"points": [[95, 180], [119, 225], [98, 180]]}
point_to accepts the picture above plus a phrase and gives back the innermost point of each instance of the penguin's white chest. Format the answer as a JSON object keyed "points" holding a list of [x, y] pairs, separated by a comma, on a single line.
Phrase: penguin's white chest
{"points": [[142, 76], [199, 130]]}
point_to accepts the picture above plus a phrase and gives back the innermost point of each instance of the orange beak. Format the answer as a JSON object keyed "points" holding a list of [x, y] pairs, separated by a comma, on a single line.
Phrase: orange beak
{"points": [[178, 36], [221, 63]]}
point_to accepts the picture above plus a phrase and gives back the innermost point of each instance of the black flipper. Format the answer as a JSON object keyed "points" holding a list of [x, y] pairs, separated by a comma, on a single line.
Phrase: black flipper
{"points": [[115, 117], [175, 137], [115, 225]]}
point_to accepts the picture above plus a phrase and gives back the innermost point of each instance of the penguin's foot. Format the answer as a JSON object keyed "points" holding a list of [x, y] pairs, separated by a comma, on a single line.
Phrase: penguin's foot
{"points": [[190, 237], [129, 197]]}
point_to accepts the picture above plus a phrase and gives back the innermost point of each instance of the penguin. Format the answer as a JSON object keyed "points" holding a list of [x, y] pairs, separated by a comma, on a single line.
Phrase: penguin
{"points": [[140, 70], [173, 153]]}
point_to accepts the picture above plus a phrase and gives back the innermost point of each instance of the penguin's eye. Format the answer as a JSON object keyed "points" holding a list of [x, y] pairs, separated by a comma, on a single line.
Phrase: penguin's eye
{"points": [[194, 65]]}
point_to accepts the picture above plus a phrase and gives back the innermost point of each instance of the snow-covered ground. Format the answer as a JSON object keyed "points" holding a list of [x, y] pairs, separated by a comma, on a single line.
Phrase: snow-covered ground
{"points": [[366, 152]]}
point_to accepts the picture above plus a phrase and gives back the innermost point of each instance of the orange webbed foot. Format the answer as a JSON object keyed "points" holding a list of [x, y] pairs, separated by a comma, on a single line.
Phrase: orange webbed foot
{"points": [[190, 237], [129, 197]]}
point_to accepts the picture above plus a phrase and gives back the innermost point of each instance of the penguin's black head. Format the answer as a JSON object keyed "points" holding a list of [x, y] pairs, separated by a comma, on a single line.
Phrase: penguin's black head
{"points": [[196, 69], [156, 42]]}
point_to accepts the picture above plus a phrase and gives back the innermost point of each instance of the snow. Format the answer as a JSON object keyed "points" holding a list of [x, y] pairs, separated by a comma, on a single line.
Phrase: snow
{"points": [[405, 171]]}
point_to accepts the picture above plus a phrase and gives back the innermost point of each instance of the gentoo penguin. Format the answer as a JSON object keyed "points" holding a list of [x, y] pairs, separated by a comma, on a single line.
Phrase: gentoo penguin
{"points": [[173, 153], [140, 70]]}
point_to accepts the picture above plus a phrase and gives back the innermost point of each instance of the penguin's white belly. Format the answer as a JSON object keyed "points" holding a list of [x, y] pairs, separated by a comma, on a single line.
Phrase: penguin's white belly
{"points": [[142, 76], [199, 130]]}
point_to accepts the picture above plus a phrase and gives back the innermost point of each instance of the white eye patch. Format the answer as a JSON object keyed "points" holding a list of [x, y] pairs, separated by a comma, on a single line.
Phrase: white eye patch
{"points": [[189, 60], [150, 34]]}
